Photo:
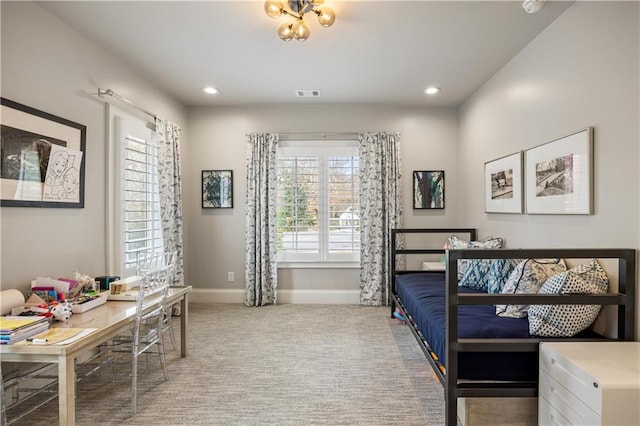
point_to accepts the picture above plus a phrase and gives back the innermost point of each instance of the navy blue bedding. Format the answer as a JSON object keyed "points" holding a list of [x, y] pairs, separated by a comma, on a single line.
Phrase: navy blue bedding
{"points": [[423, 296]]}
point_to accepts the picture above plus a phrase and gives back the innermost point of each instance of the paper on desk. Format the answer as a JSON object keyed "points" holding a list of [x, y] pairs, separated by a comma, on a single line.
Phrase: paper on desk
{"points": [[58, 285], [63, 336]]}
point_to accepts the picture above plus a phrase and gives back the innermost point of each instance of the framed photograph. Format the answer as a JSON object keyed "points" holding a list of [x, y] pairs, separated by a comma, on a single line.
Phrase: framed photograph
{"points": [[428, 189], [559, 175], [503, 184], [217, 189], [42, 158]]}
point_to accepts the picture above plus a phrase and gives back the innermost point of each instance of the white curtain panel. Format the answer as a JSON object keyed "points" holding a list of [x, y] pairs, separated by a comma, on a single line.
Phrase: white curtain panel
{"points": [[261, 272], [380, 212], [170, 180]]}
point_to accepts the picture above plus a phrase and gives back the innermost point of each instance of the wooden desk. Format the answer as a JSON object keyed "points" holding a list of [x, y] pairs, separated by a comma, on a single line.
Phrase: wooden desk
{"points": [[109, 319]]}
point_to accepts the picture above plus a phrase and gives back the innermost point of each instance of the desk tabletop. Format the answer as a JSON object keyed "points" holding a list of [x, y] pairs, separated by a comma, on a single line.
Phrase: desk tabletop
{"points": [[108, 319]]}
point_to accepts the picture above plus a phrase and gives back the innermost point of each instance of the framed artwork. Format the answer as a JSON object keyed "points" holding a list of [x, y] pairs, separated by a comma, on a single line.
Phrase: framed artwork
{"points": [[503, 184], [217, 189], [42, 158], [428, 189], [559, 175]]}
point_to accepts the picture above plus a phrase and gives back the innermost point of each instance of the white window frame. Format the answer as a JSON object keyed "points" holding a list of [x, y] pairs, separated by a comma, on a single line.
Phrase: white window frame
{"points": [[323, 150], [120, 126]]}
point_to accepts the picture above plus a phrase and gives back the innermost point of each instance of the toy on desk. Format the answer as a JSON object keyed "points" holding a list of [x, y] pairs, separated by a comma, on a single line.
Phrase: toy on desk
{"points": [[61, 311]]}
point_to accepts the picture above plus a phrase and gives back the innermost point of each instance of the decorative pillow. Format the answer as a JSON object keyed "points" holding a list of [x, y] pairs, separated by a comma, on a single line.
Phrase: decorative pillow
{"points": [[456, 243], [499, 273], [568, 320], [488, 275], [527, 278]]}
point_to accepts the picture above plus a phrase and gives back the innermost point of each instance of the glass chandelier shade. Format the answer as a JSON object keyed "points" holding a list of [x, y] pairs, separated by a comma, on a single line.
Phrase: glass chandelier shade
{"points": [[326, 16], [297, 9], [301, 31]]}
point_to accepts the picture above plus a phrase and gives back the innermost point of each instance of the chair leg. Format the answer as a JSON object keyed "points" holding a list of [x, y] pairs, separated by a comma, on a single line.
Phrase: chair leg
{"points": [[169, 325], [163, 359], [134, 384]]}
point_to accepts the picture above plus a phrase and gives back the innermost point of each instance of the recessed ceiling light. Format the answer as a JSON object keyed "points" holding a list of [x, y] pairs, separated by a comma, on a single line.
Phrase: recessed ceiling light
{"points": [[210, 90], [432, 90]]}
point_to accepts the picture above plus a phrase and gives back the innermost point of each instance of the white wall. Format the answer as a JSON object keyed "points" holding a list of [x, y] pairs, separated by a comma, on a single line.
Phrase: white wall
{"points": [[217, 141], [583, 70], [48, 66]]}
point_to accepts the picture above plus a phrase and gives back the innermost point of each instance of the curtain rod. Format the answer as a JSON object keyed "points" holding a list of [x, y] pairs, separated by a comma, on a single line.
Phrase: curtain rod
{"points": [[109, 92], [319, 135]]}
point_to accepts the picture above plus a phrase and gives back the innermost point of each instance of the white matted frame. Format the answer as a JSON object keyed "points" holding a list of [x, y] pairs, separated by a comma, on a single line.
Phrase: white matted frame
{"points": [[42, 158], [559, 175], [503, 184]]}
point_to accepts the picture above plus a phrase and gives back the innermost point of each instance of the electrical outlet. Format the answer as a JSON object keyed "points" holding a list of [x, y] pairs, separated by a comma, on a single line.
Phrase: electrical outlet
{"points": [[230, 277]]}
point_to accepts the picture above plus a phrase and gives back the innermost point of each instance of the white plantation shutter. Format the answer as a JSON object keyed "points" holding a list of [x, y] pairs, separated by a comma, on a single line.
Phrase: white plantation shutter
{"points": [[297, 201], [317, 201], [141, 214], [344, 218], [133, 211]]}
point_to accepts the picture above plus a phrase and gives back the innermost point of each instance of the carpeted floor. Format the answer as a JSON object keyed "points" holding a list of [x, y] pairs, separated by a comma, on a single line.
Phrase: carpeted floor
{"points": [[275, 365]]}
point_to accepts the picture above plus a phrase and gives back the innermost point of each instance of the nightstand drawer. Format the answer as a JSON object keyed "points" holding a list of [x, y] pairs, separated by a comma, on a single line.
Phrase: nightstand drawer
{"points": [[549, 416], [582, 385], [572, 408]]}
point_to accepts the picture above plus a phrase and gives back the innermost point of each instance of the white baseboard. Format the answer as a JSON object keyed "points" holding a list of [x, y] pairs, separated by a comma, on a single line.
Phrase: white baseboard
{"points": [[325, 297]]}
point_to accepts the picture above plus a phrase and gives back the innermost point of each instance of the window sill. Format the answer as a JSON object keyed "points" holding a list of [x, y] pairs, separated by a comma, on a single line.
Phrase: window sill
{"points": [[318, 265]]}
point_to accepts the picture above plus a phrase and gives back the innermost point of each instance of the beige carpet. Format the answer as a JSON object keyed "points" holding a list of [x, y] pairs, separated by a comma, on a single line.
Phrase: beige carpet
{"points": [[276, 365]]}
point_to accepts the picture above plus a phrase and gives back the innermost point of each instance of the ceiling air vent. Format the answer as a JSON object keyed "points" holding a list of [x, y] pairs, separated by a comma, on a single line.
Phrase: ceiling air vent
{"points": [[308, 93]]}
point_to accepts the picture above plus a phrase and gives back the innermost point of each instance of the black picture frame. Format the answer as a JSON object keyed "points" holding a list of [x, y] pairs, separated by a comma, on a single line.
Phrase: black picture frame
{"points": [[28, 178], [559, 175], [428, 189], [217, 189]]}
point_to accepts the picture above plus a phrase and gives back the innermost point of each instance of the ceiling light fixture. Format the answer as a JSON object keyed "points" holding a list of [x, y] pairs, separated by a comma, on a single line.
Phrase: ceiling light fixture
{"points": [[210, 90], [432, 90], [532, 6], [297, 8]]}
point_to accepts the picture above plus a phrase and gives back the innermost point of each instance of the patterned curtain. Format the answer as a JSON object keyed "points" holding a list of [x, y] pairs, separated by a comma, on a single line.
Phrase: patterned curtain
{"points": [[380, 212], [261, 273], [170, 179]]}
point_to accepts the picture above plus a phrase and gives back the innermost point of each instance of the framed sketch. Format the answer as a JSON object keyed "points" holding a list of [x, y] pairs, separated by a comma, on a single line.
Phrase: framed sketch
{"points": [[217, 189], [428, 189], [42, 158], [503, 184], [559, 175]]}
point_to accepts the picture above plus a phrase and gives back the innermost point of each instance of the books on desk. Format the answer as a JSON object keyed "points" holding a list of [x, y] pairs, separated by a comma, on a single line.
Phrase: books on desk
{"points": [[14, 329]]}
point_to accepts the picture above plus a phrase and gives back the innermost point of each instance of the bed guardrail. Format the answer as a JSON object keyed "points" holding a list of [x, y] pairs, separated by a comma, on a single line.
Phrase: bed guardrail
{"points": [[624, 299]]}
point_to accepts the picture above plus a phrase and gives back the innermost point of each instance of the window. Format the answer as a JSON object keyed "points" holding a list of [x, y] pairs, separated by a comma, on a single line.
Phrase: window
{"points": [[317, 202], [135, 196]]}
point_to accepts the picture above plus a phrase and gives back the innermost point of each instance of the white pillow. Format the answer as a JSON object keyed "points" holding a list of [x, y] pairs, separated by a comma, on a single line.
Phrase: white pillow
{"points": [[568, 320], [456, 243], [527, 278]]}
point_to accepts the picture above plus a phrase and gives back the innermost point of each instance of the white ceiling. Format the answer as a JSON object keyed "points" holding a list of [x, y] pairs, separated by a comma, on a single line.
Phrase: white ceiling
{"points": [[377, 52]]}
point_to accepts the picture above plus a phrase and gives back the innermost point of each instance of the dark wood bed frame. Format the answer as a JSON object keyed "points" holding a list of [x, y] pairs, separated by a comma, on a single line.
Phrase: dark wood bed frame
{"points": [[454, 388]]}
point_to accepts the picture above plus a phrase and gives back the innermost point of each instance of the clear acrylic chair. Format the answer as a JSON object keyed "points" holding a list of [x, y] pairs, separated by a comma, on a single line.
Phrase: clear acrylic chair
{"points": [[146, 334], [148, 261]]}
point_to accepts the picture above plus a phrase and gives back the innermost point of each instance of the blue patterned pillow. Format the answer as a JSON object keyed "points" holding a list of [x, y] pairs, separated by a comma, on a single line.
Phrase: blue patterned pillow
{"points": [[476, 274], [499, 273], [488, 275], [456, 243], [527, 278], [568, 320]]}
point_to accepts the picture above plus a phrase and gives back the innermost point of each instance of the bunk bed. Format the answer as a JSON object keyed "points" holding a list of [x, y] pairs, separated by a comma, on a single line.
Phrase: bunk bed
{"points": [[475, 353]]}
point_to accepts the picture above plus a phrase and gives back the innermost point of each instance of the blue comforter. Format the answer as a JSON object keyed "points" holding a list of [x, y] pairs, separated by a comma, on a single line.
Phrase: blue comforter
{"points": [[424, 298]]}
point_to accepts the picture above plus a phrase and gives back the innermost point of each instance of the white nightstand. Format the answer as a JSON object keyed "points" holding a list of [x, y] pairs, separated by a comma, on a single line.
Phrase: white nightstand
{"points": [[433, 266], [589, 383]]}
